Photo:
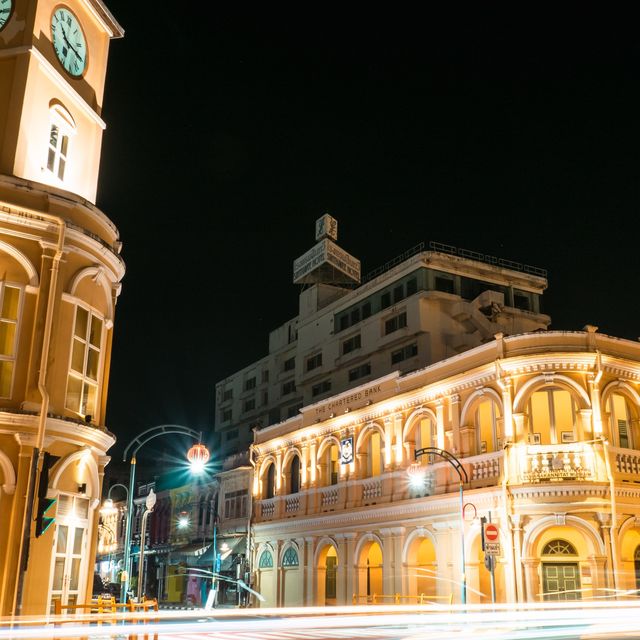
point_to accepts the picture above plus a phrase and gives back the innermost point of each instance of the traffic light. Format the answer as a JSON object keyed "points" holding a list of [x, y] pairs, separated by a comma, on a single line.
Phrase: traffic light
{"points": [[43, 521]]}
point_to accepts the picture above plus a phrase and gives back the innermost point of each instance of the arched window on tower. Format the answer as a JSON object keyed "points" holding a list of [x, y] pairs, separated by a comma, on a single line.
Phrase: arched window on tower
{"points": [[85, 365], [61, 128]]}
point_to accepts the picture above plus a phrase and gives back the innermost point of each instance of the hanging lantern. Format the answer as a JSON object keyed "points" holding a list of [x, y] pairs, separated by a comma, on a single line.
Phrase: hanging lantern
{"points": [[198, 456]]}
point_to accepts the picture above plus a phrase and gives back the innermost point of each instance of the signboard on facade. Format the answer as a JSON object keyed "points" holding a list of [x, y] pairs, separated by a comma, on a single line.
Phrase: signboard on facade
{"points": [[326, 254], [346, 450], [326, 227]]}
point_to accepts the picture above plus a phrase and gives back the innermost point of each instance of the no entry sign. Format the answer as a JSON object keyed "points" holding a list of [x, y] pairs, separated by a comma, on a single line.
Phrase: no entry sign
{"points": [[490, 532]]}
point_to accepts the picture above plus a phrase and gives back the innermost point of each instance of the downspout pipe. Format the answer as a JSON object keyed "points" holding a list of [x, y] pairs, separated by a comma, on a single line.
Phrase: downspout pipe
{"points": [[614, 517], [249, 550], [38, 453]]}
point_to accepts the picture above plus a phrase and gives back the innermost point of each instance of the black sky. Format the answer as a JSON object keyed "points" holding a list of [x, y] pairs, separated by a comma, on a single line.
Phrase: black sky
{"points": [[227, 137]]}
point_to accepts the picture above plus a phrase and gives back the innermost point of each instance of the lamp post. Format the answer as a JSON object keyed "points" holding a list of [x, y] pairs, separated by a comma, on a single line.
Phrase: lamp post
{"points": [[416, 472], [132, 448], [149, 504], [109, 509]]}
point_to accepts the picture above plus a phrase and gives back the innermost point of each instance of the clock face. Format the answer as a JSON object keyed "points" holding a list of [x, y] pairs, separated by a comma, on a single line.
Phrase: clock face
{"points": [[68, 41], [5, 11]]}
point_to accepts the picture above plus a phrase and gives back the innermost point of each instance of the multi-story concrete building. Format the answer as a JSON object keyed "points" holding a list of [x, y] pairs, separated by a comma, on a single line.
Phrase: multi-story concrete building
{"points": [[419, 309], [538, 432], [60, 273]]}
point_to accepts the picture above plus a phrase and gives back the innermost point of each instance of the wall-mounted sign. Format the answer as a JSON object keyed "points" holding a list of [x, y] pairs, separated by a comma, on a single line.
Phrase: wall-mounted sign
{"points": [[346, 450], [326, 262], [326, 227]]}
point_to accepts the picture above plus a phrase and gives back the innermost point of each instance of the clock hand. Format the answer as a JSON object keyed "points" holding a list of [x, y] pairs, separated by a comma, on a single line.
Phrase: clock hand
{"points": [[64, 35]]}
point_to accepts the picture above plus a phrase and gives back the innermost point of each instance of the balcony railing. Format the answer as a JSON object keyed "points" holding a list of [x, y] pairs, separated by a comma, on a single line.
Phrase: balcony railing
{"points": [[528, 464], [556, 462]]}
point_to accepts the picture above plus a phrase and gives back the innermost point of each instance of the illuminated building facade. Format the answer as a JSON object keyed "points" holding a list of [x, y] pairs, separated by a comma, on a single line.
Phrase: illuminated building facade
{"points": [[546, 425], [420, 308], [60, 273]]}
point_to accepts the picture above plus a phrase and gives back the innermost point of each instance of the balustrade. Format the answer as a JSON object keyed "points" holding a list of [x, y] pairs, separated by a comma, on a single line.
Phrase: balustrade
{"points": [[371, 489], [555, 463], [487, 466], [292, 504], [628, 462], [328, 497]]}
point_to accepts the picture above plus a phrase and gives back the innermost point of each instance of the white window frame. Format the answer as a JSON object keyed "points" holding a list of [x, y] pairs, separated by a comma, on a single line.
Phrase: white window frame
{"points": [[17, 322], [83, 377], [62, 120]]}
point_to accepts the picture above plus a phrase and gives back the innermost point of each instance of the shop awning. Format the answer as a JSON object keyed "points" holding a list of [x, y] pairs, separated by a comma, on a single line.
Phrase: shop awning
{"points": [[235, 546], [192, 550]]}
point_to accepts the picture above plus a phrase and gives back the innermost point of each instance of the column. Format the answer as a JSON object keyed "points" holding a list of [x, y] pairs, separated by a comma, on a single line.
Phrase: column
{"points": [[511, 432], [304, 465], [350, 562], [516, 532], [440, 423], [584, 427], [605, 531], [341, 572], [397, 432], [388, 442], [392, 541], [594, 392], [313, 464], [309, 597], [454, 419], [532, 580]]}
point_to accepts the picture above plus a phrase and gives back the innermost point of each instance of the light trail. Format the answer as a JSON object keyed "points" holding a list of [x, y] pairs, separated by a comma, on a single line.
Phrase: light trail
{"points": [[405, 622]]}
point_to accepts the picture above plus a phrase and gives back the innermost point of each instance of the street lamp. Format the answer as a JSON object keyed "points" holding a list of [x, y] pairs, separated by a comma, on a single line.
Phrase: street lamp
{"points": [[416, 476], [149, 504], [134, 446]]}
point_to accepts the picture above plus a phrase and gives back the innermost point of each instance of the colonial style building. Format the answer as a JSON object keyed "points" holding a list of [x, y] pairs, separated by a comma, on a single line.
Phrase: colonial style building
{"points": [[60, 273], [538, 432], [418, 309]]}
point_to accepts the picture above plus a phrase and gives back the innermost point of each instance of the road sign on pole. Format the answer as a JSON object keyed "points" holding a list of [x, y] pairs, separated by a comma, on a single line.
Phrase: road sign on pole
{"points": [[491, 533], [491, 539]]}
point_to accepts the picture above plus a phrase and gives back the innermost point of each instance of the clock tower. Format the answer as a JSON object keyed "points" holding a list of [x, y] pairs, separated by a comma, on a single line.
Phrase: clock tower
{"points": [[60, 274]]}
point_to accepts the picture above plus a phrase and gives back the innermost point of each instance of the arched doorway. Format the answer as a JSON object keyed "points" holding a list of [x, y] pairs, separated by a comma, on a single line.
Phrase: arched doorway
{"points": [[266, 580], [636, 566], [422, 568], [370, 572], [291, 576], [560, 571], [326, 568]]}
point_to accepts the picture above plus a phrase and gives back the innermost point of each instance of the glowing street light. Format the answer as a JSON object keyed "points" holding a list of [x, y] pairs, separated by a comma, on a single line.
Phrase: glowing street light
{"points": [[198, 457]]}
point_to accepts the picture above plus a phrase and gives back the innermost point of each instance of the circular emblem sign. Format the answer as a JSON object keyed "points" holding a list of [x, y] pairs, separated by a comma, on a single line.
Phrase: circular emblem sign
{"points": [[491, 533]]}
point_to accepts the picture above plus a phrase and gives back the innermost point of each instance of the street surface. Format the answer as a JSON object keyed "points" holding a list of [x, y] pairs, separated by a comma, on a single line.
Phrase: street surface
{"points": [[602, 620]]}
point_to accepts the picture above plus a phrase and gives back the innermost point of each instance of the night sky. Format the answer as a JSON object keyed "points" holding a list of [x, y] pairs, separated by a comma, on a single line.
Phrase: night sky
{"points": [[228, 136]]}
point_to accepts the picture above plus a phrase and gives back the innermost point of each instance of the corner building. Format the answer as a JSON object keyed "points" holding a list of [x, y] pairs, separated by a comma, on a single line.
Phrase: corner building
{"points": [[546, 428], [60, 273], [423, 307]]}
